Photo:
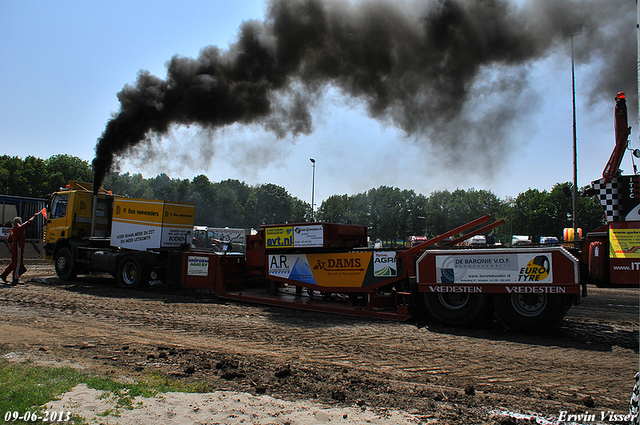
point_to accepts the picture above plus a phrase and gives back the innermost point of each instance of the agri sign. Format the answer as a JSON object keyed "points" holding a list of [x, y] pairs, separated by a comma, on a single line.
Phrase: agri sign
{"points": [[384, 264]]}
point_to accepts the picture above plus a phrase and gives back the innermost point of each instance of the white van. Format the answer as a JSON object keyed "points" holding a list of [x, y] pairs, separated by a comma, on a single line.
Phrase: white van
{"points": [[478, 240], [520, 240]]}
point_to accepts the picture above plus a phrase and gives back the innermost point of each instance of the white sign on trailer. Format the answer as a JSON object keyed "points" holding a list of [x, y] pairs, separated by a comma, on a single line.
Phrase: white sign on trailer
{"points": [[308, 236], [494, 268]]}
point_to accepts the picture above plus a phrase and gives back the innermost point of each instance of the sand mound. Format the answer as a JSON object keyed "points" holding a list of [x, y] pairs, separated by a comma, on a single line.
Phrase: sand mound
{"points": [[220, 407]]}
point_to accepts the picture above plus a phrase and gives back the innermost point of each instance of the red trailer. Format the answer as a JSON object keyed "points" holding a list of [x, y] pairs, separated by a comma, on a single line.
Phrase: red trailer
{"points": [[329, 266]]}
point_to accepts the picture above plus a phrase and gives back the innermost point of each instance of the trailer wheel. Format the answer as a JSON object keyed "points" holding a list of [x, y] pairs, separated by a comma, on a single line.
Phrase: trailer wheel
{"points": [[531, 313], [65, 264], [131, 272], [456, 309]]}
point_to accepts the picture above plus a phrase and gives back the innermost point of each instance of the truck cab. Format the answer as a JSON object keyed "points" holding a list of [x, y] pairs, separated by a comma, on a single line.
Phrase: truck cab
{"points": [[132, 239], [70, 213]]}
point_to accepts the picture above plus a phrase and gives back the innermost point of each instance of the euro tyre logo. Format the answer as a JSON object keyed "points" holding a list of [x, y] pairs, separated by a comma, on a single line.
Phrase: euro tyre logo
{"points": [[538, 268]]}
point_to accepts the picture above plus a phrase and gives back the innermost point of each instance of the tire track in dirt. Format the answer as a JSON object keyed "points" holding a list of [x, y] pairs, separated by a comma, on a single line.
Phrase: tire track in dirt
{"points": [[348, 360]]}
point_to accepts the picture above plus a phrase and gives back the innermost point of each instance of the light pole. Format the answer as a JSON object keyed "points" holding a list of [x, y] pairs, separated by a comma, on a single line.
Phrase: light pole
{"points": [[313, 185], [572, 32], [425, 225]]}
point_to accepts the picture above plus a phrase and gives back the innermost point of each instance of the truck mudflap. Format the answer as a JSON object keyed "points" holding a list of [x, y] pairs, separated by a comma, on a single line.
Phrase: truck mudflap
{"points": [[530, 289]]}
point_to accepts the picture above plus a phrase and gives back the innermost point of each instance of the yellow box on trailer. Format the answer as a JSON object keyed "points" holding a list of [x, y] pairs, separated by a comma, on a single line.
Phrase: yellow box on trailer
{"points": [[144, 224]]}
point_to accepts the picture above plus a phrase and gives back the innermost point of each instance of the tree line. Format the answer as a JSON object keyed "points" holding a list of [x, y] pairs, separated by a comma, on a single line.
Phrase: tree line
{"points": [[390, 213]]}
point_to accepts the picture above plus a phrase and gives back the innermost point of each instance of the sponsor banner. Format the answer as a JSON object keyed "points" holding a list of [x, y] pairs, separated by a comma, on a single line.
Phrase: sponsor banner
{"points": [[197, 266], [311, 236], [174, 237], [384, 264], [142, 224], [455, 288], [346, 270], [177, 222], [308, 236], [138, 236], [504, 289], [546, 289], [624, 243], [179, 214], [136, 224], [137, 210], [228, 235], [494, 268], [294, 267], [4, 232], [278, 237], [624, 271]]}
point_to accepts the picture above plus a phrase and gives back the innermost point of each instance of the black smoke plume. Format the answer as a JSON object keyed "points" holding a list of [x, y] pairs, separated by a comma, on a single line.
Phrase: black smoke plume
{"points": [[426, 67]]}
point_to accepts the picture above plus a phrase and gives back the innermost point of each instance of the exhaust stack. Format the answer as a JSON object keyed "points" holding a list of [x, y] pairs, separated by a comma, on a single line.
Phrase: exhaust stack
{"points": [[93, 215]]}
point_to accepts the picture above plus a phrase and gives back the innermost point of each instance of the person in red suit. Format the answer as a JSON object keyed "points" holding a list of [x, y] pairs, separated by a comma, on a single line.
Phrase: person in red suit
{"points": [[17, 241]]}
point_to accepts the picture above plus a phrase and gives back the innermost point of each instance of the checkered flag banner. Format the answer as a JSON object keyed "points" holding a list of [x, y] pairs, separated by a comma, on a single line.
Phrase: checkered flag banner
{"points": [[619, 198], [608, 193]]}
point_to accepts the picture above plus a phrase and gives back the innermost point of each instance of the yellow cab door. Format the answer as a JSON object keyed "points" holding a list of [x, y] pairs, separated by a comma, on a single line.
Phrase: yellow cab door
{"points": [[58, 221]]}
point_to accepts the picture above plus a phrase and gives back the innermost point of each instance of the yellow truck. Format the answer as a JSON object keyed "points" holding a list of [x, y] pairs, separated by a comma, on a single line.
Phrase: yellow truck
{"points": [[134, 240]]}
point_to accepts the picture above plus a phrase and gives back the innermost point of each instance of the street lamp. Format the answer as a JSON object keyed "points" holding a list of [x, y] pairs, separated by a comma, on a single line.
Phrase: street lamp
{"points": [[425, 225], [313, 186], [572, 32]]}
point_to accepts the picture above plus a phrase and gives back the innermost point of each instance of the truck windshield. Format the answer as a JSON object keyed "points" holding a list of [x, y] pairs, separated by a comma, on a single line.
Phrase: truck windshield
{"points": [[59, 206]]}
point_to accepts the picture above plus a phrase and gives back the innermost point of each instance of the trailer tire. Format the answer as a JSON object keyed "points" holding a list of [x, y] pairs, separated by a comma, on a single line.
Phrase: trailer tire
{"points": [[457, 309], [64, 264], [131, 272], [531, 313]]}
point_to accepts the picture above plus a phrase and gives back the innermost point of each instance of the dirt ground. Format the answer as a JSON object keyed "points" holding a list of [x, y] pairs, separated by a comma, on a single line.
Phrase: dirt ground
{"points": [[441, 374]]}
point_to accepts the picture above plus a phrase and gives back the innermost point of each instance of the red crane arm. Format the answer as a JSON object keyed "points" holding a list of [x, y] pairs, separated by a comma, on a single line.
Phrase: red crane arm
{"points": [[622, 134]]}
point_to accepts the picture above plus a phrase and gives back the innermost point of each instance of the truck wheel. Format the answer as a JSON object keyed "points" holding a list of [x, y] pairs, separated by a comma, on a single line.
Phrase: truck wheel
{"points": [[531, 313], [456, 309], [65, 264], [131, 272]]}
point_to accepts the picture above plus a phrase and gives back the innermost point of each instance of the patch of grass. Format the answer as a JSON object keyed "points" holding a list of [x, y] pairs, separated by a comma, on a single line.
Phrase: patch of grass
{"points": [[24, 387], [148, 386]]}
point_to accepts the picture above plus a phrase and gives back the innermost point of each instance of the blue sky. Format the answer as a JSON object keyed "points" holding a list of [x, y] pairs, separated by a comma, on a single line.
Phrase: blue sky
{"points": [[64, 62]]}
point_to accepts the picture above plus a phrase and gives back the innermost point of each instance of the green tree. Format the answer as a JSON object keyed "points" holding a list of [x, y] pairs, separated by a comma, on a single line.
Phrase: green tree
{"points": [[132, 186], [447, 210], [300, 210], [388, 212], [590, 214], [333, 209], [253, 216], [531, 213], [235, 214], [203, 198], [60, 169], [274, 202], [23, 177]]}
